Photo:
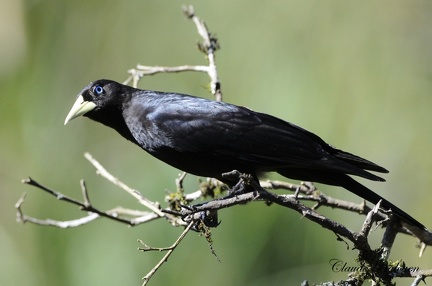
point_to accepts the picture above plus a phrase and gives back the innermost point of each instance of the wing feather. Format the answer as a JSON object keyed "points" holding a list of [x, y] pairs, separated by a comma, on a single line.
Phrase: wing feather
{"points": [[191, 125]]}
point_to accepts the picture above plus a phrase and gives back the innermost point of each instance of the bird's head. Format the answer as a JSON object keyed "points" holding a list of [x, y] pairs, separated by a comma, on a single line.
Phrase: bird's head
{"points": [[98, 99]]}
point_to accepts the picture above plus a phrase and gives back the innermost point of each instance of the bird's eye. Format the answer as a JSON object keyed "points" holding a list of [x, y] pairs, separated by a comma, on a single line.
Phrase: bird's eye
{"points": [[98, 90]]}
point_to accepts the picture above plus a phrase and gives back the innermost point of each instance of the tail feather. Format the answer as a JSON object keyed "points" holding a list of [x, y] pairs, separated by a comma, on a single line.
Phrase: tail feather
{"points": [[348, 183], [358, 161], [361, 191]]}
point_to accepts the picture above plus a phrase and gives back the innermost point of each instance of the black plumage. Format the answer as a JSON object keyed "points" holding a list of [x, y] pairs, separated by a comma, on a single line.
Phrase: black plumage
{"points": [[209, 138]]}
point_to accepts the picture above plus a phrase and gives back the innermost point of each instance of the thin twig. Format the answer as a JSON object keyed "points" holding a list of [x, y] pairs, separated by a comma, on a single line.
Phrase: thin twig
{"points": [[367, 225], [179, 181], [209, 46], [140, 71], [22, 218], [139, 217], [134, 193], [83, 205], [169, 250]]}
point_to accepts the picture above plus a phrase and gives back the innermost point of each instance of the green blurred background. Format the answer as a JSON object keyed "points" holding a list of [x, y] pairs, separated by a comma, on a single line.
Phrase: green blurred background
{"points": [[356, 73]]}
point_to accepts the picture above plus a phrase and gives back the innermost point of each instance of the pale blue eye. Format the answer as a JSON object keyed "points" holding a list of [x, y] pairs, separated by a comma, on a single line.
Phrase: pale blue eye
{"points": [[98, 90]]}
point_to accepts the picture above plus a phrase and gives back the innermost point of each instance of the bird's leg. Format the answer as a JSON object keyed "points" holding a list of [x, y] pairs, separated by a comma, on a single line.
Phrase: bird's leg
{"points": [[234, 176], [238, 188], [243, 184]]}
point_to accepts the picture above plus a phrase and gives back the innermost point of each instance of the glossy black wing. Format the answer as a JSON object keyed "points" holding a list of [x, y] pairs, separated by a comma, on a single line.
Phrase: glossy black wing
{"points": [[190, 125]]}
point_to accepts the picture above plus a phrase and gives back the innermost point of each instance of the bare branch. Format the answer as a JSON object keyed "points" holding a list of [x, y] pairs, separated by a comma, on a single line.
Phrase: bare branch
{"points": [[367, 225], [209, 46], [389, 237], [169, 250], [100, 170], [140, 71], [85, 206], [22, 218]]}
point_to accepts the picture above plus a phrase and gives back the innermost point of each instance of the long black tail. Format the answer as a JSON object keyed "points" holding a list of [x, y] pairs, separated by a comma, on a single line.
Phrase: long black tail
{"points": [[355, 187]]}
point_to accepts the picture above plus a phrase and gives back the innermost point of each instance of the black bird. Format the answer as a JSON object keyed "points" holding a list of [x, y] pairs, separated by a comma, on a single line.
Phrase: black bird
{"points": [[209, 138]]}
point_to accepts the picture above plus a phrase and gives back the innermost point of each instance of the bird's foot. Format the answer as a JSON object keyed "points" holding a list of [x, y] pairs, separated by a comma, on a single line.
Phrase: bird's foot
{"points": [[189, 213], [243, 184], [238, 189], [208, 218]]}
